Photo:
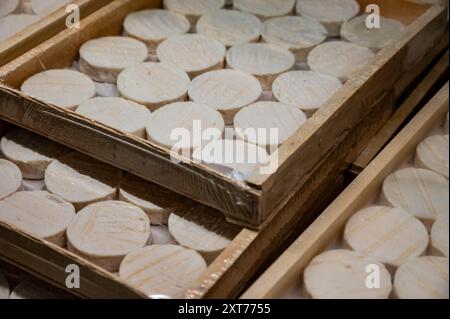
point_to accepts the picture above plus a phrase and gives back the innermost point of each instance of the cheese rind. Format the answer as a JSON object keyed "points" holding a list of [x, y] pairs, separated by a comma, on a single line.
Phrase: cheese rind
{"points": [[433, 154], [265, 9], [43, 8], [14, 23], [422, 278], [7, 7], [440, 238], [153, 84], [193, 9], [106, 232], [63, 88], [82, 180], [339, 59], [10, 178], [307, 90], [39, 214], [264, 61], [32, 153], [230, 27], [387, 235], [342, 274], [4, 287]]}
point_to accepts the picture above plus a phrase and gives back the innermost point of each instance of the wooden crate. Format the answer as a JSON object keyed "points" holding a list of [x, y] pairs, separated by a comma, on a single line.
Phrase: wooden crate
{"points": [[43, 30], [287, 270], [330, 136]]}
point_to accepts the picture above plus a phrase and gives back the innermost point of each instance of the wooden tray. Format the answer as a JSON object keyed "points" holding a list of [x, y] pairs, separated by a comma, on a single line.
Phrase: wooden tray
{"points": [[43, 30], [286, 271], [331, 137]]}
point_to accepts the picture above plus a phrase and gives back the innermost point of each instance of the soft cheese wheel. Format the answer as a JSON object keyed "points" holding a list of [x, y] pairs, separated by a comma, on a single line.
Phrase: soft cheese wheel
{"points": [[388, 235], [193, 53], [432, 154], [14, 23], [82, 180], [356, 31], [154, 26], [422, 278], [297, 34], [31, 185], [265, 9], [307, 90], [4, 287], [63, 88], [256, 123], [331, 13], [104, 58], [341, 274], [420, 192], [440, 237], [226, 91], [230, 27], [162, 270], [241, 157], [193, 9], [40, 214], [32, 153], [31, 290], [43, 8], [164, 123], [118, 113], [264, 61], [10, 178], [106, 232], [7, 7], [202, 230], [339, 59], [153, 84]]}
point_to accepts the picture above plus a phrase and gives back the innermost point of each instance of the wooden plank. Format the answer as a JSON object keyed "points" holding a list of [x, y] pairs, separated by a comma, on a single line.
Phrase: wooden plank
{"points": [[286, 271]]}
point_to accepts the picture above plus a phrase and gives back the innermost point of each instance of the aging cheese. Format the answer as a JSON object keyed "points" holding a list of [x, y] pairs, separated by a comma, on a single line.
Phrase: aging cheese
{"points": [[356, 31], [153, 84], [297, 34], [422, 193], [433, 154], [82, 180], [440, 238], [7, 7], [193, 9], [342, 274], [182, 126], [162, 270], [32, 153], [388, 235], [118, 113], [265, 9], [14, 23], [39, 214], [339, 59], [331, 13], [307, 90], [106, 232], [264, 61], [4, 287], [226, 91], [43, 8], [422, 278], [104, 58], [193, 53], [268, 124], [63, 88], [154, 26], [230, 27], [10, 178], [202, 230]]}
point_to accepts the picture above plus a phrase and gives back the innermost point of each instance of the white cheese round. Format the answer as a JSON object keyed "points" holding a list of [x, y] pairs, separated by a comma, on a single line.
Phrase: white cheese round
{"points": [[440, 237], [166, 270], [433, 154], [193, 9], [307, 90], [14, 23], [10, 178], [339, 59], [106, 232], [264, 61], [43, 8], [226, 91], [7, 7], [32, 153], [153, 84], [82, 180], [265, 9], [39, 214], [193, 53], [230, 27]]}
